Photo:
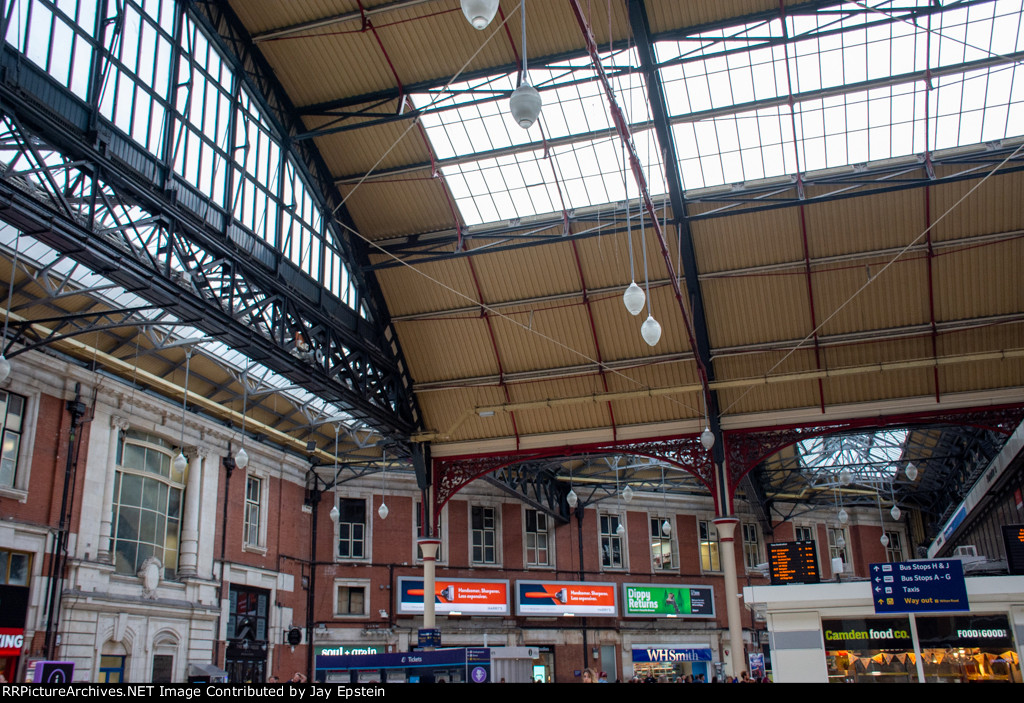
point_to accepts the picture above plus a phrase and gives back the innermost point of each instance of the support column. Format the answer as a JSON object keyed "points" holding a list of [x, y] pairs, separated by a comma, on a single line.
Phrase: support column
{"points": [[103, 554], [429, 547], [726, 527], [188, 561]]}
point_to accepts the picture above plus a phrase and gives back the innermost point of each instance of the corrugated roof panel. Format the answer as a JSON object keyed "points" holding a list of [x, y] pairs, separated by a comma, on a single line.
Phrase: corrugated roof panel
{"points": [[579, 416], [753, 239], [751, 309], [862, 296], [972, 281], [356, 152], [373, 208], [447, 349], [528, 340], [868, 223], [983, 211], [427, 287], [521, 274]]}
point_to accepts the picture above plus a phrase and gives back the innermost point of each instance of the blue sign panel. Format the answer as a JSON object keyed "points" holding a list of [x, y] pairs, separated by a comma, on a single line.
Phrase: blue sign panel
{"points": [[670, 654], [919, 586]]}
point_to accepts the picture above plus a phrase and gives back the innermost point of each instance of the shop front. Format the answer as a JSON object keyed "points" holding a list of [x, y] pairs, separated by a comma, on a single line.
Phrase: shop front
{"points": [[668, 662], [949, 649]]}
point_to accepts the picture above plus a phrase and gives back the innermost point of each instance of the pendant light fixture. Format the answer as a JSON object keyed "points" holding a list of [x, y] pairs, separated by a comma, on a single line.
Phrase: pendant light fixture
{"points": [[707, 438], [843, 516], [526, 102], [634, 297], [571, 498], [335, 513], [911, 472], [627, 493], [5, 365], [651, 329], [383, 511], [479, 13], [242, 457], [181, 462], [666, 528]]}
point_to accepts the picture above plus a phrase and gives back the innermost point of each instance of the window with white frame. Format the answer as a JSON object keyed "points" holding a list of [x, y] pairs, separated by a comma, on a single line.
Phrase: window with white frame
{"points": [[894, 548], [710, 557], [663, 557], [837, 545], [12, 413], [351, 598], [751, 546], [484, 533], [351, 528], [538, 550], [148, 499], [253, 523], [441, 532], [611, 542]]}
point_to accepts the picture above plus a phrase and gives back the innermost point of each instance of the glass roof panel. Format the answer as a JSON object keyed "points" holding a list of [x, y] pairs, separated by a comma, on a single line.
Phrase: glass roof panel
{"points": [[496, 170], [843, 87], [870, 457]]}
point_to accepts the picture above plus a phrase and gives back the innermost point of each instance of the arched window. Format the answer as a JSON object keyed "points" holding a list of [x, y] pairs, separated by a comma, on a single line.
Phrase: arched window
{"points": [[148, 494]]}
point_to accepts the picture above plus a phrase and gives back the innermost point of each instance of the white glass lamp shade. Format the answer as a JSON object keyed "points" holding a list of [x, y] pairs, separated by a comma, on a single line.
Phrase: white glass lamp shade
{"points": [[627, 494], [383, 511], [180, 463], [242, 458], [845, 477], [843, 516], [620, 530], [911, 471], [650, 331], [5, 368], [707, 438], [571, 498], [884, 539], [634, 299], [896, 512], [841, 542], [666, 528], [525, 105], [335, 513], [479, 12]]}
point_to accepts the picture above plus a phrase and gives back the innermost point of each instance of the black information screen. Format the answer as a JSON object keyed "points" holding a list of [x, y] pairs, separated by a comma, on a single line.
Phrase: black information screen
{"points": [[793, 562], [1013, 538]]}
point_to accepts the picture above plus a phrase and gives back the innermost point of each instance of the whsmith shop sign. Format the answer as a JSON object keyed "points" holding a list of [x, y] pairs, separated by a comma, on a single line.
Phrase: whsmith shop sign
{"points": [[645, 600], [883, 633]]}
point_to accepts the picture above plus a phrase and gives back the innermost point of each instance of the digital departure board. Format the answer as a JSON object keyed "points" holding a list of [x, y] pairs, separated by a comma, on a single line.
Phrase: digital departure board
{"points": [[1013, 541], [793, 562]]}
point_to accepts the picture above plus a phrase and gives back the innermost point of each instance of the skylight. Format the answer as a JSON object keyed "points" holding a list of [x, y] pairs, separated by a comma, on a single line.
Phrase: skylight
{"points": [[855, 83], [870, 457], [496, 170]]}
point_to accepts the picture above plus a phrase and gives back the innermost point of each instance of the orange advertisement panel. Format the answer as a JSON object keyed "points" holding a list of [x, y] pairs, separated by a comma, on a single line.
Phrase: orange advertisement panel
{"points": [[455, 596], [565, 598]]}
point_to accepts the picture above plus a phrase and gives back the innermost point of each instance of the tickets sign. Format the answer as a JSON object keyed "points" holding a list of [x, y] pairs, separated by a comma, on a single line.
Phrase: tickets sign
{"points": [[472, 596], [668, 601], [565, 598]]}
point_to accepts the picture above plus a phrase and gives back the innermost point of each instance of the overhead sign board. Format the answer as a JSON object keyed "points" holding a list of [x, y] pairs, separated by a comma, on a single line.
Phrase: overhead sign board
{"points": [[469, 596], [928, 585], [650, 600], [565, 598], [793, 562]]}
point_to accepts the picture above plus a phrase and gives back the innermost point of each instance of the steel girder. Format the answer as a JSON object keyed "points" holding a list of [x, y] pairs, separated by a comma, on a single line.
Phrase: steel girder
{"points": [[95, 195], [746, 450]]}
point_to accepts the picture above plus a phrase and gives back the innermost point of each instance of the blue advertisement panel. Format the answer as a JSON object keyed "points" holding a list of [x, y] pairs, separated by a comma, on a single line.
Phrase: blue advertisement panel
{"points": [[929, 585]]}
